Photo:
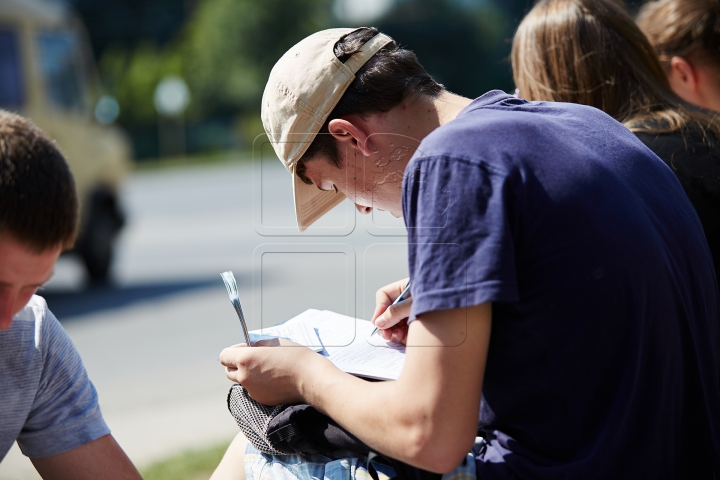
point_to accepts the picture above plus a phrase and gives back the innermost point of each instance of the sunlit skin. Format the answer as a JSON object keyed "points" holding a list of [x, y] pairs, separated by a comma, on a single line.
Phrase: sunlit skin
{"points": [[375, 149], [22, 272], [696, 80]]}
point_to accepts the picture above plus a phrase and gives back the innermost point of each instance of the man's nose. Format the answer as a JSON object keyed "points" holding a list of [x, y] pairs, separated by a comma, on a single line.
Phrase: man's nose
{"points": [[363, 209]]}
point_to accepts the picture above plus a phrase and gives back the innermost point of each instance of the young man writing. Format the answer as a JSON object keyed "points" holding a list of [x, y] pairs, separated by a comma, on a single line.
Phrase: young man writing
{"points": [[557, 267], [47, 402]]}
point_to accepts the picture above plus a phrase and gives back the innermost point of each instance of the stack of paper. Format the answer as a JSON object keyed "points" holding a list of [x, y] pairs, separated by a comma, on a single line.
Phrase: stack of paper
{"points": [[346, 341]]}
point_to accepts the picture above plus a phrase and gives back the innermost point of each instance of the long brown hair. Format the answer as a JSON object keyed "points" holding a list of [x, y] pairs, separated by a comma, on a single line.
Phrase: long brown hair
{"points": [[592, 52], [685, 28]]}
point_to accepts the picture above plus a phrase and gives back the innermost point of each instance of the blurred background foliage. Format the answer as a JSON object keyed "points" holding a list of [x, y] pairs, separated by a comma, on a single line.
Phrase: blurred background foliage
{"points": [[224, 50]]}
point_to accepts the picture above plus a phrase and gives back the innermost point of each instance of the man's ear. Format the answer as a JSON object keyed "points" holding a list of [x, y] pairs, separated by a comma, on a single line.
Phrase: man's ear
{"points": [[683, 78], [351, 134]]}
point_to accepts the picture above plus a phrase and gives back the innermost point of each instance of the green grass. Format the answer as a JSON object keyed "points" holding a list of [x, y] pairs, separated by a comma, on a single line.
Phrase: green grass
{"points": [[190, 465]]}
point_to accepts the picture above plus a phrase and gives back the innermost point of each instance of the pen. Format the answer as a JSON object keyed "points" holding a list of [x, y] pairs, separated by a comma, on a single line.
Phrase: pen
{"points": [[405, 293]]}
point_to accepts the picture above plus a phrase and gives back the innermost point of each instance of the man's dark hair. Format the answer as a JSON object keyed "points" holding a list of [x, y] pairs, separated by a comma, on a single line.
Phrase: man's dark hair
{"points": [[392, 75], [38, 203]]}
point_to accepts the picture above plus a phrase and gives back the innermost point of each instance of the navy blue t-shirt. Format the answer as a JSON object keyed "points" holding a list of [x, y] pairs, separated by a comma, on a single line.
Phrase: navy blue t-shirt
{"points": [[604, 356]]}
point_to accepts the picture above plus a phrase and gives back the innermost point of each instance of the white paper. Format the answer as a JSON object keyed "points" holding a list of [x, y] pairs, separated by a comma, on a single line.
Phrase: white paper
{"points": [[350, 347], [299, 332]]}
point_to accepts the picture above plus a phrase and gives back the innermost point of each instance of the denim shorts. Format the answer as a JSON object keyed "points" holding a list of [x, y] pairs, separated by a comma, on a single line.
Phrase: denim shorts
{"points": [[341, 466]]}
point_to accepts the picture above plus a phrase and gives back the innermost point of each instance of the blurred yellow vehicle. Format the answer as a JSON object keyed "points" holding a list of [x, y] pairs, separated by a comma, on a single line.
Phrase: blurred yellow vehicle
{"points": [[48, 75]]}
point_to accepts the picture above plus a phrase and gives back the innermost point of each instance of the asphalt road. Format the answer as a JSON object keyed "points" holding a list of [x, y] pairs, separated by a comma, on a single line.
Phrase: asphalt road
{"points": [[151, 341]]}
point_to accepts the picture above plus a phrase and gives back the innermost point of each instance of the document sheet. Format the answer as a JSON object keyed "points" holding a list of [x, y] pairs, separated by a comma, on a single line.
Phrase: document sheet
{"points": [[299, 332], [346, 341]]}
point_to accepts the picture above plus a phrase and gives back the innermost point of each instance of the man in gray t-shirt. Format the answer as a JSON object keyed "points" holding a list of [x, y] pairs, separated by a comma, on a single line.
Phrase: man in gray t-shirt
{"points": [[47, 402]]}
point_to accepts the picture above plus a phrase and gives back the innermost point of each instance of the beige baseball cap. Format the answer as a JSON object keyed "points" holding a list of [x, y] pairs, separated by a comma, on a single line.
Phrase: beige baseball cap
{"points": [[304, 86]]}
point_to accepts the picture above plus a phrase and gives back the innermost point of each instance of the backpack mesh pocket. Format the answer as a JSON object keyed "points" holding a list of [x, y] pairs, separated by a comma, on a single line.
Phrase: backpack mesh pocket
{"points": [[253, 418]]}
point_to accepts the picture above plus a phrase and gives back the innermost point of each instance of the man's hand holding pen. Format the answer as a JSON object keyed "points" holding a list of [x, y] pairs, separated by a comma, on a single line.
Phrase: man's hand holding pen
{"points": [[390, 317]]}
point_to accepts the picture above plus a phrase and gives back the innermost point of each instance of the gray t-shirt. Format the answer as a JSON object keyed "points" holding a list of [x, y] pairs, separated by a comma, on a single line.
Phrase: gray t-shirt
{"points": [[47, 402]]}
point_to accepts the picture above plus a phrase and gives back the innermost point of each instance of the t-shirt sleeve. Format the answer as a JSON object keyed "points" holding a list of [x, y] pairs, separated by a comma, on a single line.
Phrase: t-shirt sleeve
{"points": [[65, 413], [461, 220]]}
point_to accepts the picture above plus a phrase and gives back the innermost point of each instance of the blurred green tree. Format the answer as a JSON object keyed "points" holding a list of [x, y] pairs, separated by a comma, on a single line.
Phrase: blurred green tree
{"points": [[132, 75], [225, 53], [227, 47], [464, 44], [231, 45]]}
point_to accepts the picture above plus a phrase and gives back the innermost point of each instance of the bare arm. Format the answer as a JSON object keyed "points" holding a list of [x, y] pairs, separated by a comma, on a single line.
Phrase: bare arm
{"points": [[427, 418], [101, 458], [232, 466]]}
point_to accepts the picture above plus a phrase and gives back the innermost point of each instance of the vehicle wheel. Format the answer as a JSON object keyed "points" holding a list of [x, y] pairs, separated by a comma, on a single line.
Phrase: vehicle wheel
{"points": [[96, 245]]}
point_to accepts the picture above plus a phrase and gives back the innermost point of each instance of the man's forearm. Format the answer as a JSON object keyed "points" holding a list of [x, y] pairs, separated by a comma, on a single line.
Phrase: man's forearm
{"points": [[368, 409], [101, 458], [428, 417]]}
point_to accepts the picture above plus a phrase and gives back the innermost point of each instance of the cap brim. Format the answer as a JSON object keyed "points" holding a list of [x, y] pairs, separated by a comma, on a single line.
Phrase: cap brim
{"points": [[310, 202]]}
